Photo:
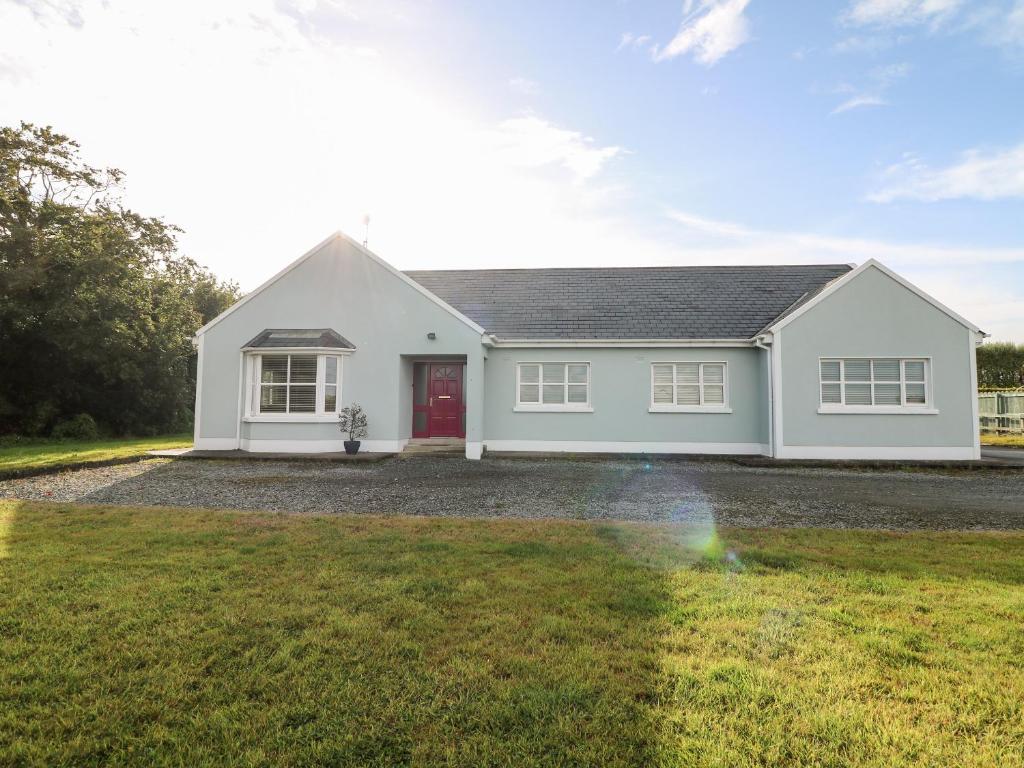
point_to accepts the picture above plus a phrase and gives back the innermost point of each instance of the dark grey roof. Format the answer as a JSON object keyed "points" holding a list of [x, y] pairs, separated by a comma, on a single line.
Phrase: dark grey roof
{"points": [[627, 302], [300, 337]]}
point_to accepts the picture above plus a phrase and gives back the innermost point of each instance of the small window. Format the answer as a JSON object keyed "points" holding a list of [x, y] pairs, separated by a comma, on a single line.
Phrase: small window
{"points": [[554, 386], [295, 384], [885, 382], [688, 385]]}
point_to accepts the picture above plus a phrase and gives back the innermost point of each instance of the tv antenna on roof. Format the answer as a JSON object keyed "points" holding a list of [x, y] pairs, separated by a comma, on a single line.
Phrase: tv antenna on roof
{"points": [[366, 229]]}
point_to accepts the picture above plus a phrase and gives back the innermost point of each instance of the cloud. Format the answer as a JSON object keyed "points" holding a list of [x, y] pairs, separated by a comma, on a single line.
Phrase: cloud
{"points": [[714, 29], [859, 101], [524, 85], [629, 40], [727, 241], [297, 133], [948, 273], [900, 13], [996, 23], [532, 142], [978, 174], [880, 80]]}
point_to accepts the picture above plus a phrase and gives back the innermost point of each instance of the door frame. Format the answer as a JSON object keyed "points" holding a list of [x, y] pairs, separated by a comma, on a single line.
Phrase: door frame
{"points": [[426, 408]]}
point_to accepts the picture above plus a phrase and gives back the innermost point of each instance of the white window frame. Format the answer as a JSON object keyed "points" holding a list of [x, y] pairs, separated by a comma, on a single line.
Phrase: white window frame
{"points": [[565, 407], [252, 367], [722, 407], [923, 409]]}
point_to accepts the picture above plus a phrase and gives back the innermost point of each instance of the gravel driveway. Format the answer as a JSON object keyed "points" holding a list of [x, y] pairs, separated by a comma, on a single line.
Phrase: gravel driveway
{"points": [[659, 491]]}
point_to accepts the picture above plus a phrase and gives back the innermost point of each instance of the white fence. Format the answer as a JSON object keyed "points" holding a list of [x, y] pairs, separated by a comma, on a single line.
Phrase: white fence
{"points": [[1001, 412]]}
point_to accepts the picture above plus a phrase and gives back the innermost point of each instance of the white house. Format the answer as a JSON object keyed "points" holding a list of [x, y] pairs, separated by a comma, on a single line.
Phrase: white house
{"points": [[821, 361]]}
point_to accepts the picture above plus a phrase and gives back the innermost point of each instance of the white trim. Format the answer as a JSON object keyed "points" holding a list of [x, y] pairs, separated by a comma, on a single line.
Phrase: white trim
{"points": [[291, 418], [474, 450], [339, 351], [777, 439], [565, 406], [252, 371], [317, 248], [596, 343], [839, 282], [688, 409], [878, 410], [535, 408], [198, 411], [320, 446], [601, 446], [927, 407], [215, 444], [722, 407], [243, 387], [973, 340], [881, 453]]}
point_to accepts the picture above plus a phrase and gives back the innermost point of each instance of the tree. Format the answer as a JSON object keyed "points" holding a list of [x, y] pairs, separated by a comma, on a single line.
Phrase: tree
{"points": [[97, 308], [1001, 365]]}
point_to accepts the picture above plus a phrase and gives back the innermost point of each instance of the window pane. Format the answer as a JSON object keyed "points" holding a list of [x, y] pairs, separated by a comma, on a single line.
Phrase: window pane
{"points": [[714, 394], [303, 369], [529, 374], [914, 370], [331, 398], [886, 370], [688, 394], [687, 373], [554, 373], [529, 393], [858, 394], [554, 394], [663, 394], [577, 393], [272, 399], [274, 369], [662, 374], [857, 370], [577, 374], [887, 394], [830, 394], [830, 370], [302, 399], [714, 374], [332, 370], [915, 394]]}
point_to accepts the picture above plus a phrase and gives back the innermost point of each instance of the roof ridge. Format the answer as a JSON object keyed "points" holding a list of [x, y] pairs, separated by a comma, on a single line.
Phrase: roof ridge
{"points": [[845, 267]]}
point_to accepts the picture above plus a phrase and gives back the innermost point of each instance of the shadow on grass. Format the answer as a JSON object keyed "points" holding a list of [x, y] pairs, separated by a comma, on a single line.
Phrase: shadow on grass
{"points": [[199, 637]]}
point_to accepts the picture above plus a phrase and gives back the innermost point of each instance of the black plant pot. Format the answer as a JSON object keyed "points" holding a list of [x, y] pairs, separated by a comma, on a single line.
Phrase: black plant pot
{"points": [[352, 446]]}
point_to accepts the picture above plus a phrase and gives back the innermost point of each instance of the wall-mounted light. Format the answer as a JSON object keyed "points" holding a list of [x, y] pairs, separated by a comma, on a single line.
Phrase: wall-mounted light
{"points": [[431, 335]]}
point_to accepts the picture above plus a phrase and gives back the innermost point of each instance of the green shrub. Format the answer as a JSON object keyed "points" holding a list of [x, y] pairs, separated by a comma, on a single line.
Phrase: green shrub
{"points": [[80, 427]]}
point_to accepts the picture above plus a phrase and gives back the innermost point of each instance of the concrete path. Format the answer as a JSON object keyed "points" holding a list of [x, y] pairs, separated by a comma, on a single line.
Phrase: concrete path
{"points": [[1003, 454]]}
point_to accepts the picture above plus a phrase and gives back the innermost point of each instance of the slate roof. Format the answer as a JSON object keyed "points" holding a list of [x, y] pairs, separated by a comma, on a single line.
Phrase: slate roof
{"points": [[300, 337], [627, 302]]}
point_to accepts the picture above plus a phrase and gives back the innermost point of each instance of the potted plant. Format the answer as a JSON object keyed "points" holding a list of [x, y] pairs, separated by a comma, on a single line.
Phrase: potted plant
{"points": [[352, 420]]}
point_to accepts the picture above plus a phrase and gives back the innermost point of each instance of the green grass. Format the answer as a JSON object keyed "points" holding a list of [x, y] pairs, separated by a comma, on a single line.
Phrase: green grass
{"points": [[1016, 441], [174, 637], [28, 455]]}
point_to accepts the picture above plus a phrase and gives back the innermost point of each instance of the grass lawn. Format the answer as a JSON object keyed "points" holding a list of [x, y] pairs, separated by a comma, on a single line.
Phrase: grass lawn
{"points": [[37, 454], [1016, 441], [160, 637]]}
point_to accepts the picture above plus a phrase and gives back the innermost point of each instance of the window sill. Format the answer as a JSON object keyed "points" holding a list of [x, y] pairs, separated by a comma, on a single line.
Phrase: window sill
{"points": [[293, 418], [881, 410], [689, 409], [553, 409]]}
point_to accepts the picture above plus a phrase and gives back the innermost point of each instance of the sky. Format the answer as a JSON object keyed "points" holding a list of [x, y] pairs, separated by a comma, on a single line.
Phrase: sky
{"points": [[533, 133]]}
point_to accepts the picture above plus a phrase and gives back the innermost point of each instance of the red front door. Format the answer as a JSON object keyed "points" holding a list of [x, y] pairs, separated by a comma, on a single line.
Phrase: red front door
{"points": [[445, 404]]}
